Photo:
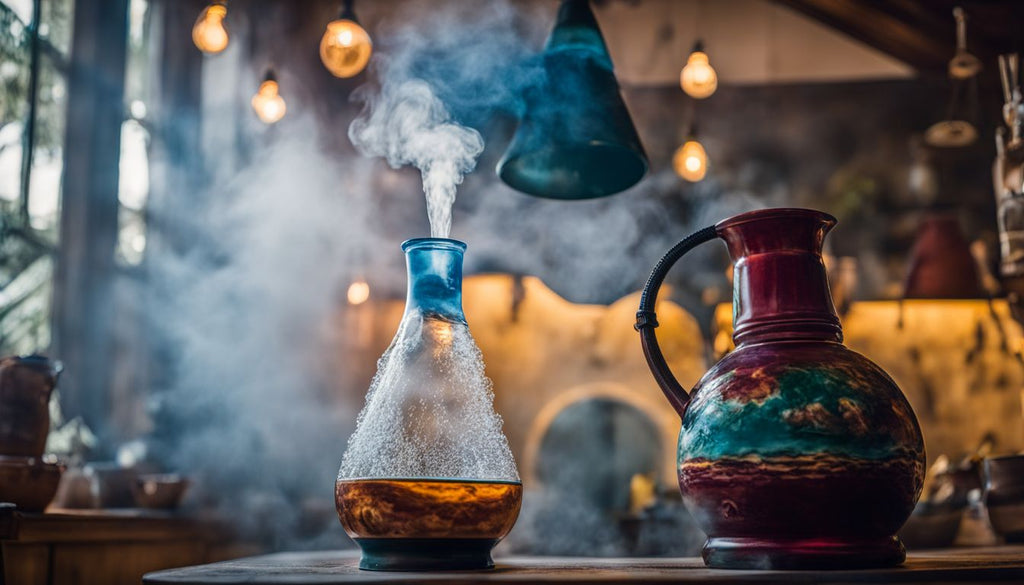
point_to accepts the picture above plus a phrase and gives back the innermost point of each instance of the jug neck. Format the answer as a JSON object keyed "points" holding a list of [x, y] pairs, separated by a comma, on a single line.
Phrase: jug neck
{"points": [[435, 277], [780, 287]]}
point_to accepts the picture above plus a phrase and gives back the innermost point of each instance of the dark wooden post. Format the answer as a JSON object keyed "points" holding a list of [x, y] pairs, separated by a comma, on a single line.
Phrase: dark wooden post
{"points": [[83, 288]]}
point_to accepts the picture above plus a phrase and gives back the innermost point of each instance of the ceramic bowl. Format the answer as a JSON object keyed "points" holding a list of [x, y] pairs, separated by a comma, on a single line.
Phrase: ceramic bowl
{"points": [[112, 484], [159, 491], [932, 525], [29, 482], [1004, 496]]}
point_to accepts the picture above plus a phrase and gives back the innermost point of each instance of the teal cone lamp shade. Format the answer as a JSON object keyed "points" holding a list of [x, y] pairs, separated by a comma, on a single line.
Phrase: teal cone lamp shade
{"points": [[576, 139]]}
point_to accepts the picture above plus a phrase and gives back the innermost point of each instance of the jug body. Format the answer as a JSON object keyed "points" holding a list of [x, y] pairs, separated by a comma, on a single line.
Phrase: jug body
{"points": [[794, 451], [799, 454], [26, 384], [428, 481]]}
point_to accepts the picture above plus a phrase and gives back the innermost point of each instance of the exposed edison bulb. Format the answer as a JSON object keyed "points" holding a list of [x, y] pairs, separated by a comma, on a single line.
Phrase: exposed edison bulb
{"points": [[690, 161], [345, 48], [358, 292], [698, 78], [209, 33], [268, 103]]}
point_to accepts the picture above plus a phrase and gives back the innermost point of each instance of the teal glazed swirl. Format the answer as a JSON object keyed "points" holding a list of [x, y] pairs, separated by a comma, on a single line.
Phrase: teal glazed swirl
{"points": [[789, 441], [789, 409]]}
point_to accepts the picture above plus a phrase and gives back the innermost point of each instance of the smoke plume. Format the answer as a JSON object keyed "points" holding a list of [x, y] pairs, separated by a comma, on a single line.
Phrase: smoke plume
{"points": [[408, 125]]}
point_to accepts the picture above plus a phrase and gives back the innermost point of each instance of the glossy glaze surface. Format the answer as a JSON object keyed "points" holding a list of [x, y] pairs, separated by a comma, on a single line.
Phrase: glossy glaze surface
{"points": [[794, 451]]}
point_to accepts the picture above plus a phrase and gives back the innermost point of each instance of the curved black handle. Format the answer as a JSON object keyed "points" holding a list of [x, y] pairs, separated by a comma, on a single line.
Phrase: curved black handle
{"points": [[647, 321]]}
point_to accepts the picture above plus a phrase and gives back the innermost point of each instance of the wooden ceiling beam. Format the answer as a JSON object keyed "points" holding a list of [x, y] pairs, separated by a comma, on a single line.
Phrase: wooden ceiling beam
{"points": [[894, 28]]}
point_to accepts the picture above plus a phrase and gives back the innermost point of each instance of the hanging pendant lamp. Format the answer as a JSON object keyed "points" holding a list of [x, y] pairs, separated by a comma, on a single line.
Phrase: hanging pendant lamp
{"points": [[576, 139]]}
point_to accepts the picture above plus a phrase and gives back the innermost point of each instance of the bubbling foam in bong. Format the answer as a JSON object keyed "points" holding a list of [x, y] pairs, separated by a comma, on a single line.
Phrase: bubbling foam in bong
{"points": [[430, 410], [408, 125]]}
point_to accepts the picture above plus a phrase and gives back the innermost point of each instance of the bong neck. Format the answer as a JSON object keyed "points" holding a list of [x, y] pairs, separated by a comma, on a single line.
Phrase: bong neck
{"points": [[435, 277], [780, 287]]}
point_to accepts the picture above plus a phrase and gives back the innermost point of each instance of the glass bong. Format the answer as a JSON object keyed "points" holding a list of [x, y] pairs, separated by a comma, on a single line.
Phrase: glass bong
{"points": [[428, 481]]}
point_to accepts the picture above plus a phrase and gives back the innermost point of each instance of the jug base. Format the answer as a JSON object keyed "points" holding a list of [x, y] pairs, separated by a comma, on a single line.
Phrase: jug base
{"points": [[797, 554], [426, 554]]}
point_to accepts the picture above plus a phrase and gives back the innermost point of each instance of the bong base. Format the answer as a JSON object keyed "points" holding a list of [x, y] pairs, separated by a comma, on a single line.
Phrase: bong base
{"points": [[797, 554], [426, 554]]}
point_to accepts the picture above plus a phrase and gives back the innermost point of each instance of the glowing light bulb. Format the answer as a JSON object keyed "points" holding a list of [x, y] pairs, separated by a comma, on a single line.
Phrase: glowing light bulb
{"points": [[698, 79], [358, 292], [268, 103], [209, 33], [690, 161], [345, 48]]}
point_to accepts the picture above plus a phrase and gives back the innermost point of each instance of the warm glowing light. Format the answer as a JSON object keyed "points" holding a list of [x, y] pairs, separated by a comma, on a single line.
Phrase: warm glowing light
{"points": [[209, 33], [268, 104], [358, 292], [345, 48], [698, 79], [690, 161]]}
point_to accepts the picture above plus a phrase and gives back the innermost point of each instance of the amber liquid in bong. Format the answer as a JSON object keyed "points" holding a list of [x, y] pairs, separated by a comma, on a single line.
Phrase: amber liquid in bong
{"points": [[427, 508]]}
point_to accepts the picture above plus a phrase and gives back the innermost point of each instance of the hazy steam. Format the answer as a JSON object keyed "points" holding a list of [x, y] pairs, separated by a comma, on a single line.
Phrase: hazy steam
{"points": [[408, 125]]}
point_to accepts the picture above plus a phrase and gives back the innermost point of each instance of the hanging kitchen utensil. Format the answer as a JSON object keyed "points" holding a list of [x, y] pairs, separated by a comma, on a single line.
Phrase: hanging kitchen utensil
{"points": [[1008, 178], [794, 452], [958, 129], [963, 65], [576, 139]]}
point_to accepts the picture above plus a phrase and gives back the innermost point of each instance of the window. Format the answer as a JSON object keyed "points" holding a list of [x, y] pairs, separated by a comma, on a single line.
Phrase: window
{"points": [[133, 187], [35, 37]]}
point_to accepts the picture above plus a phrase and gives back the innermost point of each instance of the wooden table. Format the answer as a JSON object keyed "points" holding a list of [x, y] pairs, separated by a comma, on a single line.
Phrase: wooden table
{"points": [[1002, 564]]}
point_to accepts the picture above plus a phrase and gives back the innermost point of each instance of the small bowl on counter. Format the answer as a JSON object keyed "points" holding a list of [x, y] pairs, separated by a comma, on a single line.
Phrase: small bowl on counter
{"points": [[932, 525], [1004, 496], [159, 491], [29, 482]]}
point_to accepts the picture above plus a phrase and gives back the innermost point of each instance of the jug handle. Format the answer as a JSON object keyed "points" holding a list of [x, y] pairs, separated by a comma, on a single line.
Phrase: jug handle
{"points": [[647, 321]]}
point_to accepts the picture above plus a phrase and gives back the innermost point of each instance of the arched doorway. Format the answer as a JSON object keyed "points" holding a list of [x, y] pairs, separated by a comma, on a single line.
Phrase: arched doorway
{"points": [[593, 448]]}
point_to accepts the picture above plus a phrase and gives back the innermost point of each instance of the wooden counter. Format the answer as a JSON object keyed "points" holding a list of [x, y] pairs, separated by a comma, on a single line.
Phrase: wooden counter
{"points": [[1002, 564], [109, 547]]}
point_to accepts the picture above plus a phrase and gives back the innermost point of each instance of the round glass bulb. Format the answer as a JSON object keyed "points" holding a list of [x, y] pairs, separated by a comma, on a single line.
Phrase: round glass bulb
{"points": [[358, 292], [268, 103], [690, 161], [209, 33], [698, 79], [345, 48]]}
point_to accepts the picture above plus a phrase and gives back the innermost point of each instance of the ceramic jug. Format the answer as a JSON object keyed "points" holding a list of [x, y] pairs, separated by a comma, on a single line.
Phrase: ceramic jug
{"points": [[25, 387], [795, 452]]}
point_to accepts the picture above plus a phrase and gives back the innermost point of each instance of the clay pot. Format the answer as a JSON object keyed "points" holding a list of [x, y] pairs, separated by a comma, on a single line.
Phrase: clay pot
{"points": [[29, 483], [25, 387], [941, 265]]}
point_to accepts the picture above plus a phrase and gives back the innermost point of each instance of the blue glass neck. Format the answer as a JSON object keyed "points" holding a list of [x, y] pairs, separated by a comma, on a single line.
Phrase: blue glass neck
{"points": [[435, 277]]}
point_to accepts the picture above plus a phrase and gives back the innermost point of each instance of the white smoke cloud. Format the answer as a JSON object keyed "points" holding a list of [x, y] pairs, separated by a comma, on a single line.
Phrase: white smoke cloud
{"points": [[407, 124]]}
